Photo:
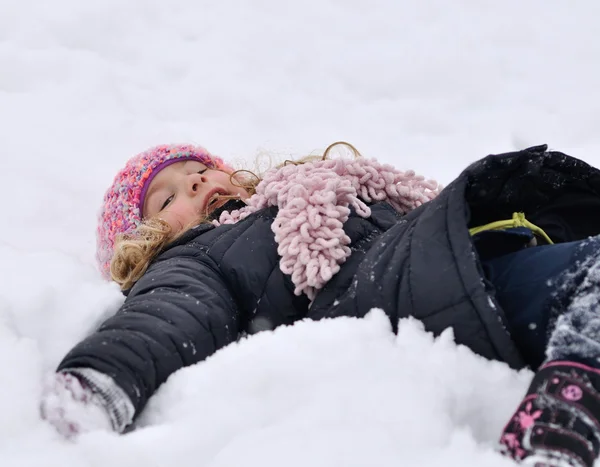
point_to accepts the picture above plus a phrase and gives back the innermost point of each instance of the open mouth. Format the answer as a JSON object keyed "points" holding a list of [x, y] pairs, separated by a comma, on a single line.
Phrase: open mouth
{"points": [[216, 200]]}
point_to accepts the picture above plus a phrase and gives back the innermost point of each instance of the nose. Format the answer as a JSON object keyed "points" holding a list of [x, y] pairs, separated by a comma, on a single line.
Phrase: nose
{"points": [[194, 182]]}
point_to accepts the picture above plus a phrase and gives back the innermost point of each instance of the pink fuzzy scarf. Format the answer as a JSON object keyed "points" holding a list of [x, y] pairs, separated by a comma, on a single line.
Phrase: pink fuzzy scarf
{"points": [[314, 201]]}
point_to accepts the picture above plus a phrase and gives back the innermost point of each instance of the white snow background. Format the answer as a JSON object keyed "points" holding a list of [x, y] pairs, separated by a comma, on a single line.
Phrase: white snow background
{"points": [[430, 85]]}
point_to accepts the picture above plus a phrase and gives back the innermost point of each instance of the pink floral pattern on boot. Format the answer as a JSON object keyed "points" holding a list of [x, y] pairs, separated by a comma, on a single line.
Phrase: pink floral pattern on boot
{"points": [[514, 432], [556, 424], [526, 418]]}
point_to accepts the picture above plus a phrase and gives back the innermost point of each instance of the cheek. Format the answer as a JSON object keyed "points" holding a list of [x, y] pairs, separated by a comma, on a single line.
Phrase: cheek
{"points": [[172, 219], [234, 186], [242, 192], [178, 217]]}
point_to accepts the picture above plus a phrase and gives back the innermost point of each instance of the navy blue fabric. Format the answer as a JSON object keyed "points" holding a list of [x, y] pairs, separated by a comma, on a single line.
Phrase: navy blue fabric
{"points": [[534, 286], [494, 243]]}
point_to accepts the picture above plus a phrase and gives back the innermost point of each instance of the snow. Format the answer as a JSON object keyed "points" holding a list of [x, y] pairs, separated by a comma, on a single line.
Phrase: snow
{"points": [[425, 85]]}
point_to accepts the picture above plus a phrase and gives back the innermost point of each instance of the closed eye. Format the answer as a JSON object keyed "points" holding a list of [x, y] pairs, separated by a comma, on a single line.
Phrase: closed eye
{"points": [[170, 198], [167, 201]]}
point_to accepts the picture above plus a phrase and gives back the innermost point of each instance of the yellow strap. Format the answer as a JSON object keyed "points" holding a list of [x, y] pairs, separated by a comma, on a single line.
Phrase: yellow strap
{"points": [[518, 220]]}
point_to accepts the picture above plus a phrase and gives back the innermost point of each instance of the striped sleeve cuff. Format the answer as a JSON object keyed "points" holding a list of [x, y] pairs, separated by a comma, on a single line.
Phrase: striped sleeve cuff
{"points": [[118, 405]]}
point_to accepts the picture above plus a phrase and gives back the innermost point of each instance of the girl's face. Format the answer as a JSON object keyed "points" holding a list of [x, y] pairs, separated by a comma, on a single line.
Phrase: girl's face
{"points": [[185, 191]]}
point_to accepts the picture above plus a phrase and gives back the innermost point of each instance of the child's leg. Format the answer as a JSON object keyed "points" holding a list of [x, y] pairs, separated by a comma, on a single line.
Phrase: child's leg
{"points": [[534, 286], [557, 423], [576, 334]]}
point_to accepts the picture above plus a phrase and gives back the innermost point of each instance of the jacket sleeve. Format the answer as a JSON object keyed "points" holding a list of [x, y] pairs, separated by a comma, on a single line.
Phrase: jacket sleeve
{"points": [[179, 313]]}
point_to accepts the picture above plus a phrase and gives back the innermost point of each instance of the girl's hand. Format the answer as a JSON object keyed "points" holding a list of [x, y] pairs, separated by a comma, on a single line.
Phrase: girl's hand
{"points": [[71, 406]]}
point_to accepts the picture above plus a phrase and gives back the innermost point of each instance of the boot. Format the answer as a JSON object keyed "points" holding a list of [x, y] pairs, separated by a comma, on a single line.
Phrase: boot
{"points": [[557, 423]]}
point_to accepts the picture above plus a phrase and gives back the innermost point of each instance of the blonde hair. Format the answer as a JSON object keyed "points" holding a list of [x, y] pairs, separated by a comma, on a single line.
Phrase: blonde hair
{"points": [[134, 251]]}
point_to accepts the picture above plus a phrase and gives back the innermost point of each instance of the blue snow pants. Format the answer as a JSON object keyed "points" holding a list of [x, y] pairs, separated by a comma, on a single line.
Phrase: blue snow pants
{"points": [[550, 295]]}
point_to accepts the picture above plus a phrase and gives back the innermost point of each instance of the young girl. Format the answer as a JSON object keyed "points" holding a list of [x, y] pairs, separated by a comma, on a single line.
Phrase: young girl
{"points": [[206, 255]]}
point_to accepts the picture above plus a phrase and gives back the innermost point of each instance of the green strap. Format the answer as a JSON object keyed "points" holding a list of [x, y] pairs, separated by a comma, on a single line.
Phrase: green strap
{"points": [[518, 220]]}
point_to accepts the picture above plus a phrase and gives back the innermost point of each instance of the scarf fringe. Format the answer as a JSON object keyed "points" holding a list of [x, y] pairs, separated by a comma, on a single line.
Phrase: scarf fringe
{"points": [[314, 201]]}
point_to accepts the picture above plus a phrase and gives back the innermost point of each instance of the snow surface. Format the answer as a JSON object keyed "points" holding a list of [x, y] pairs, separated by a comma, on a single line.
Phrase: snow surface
{"points": [[430, 85]]}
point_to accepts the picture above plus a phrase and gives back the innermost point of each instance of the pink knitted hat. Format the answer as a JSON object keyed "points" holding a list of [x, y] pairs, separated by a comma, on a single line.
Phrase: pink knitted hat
{"points": [[123, 202]]}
